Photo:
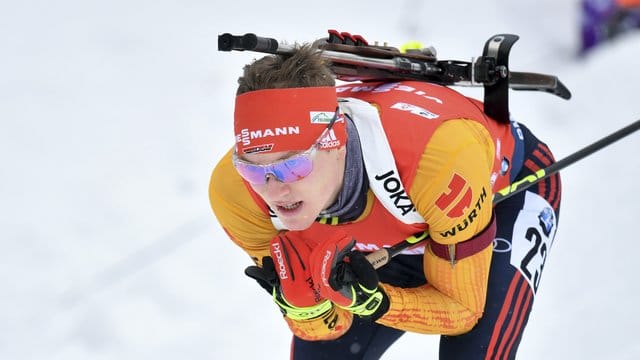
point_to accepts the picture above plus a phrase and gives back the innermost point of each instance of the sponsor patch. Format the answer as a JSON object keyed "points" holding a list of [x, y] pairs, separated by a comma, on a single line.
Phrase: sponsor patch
{"points": [[330, 141], [414, 109], [320, 117], [473, 214], [456, 198], [245, 136], [504, 166], [258, 149], [395, 191]]}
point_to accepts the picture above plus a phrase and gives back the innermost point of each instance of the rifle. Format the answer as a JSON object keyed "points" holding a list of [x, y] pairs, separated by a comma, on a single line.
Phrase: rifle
{"points": [[352, 58]]}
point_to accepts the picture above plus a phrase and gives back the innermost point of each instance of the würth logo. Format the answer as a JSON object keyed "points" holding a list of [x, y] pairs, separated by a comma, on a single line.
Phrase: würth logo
{"points": [[456, 198]]}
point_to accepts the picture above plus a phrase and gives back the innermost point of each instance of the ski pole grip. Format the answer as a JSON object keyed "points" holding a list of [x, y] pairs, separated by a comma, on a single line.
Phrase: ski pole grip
{"points": [[379, 258], [249, 41]]}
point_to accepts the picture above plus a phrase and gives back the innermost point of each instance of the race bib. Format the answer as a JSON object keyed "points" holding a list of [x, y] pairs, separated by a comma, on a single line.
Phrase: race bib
{"points": [[533, 234]]}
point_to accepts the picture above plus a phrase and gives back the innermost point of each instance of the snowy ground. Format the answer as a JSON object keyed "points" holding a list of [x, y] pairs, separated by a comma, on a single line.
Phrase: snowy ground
{"points": [[112, 115]]}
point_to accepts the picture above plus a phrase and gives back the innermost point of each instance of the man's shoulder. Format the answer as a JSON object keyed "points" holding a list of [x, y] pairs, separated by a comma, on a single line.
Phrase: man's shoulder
{"points": [[225, 182], [223, 168]]}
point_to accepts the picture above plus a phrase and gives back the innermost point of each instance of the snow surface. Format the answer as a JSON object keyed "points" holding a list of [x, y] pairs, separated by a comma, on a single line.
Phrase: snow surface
{"points": [[113, 114]]}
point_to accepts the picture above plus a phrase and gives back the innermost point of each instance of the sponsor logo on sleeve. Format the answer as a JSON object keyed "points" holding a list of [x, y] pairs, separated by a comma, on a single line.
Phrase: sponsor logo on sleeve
{"points": [[469, 219], [456, 198]]}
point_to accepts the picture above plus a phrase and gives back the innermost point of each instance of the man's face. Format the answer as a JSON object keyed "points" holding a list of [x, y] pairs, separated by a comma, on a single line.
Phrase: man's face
{"points": [[299, 203]]}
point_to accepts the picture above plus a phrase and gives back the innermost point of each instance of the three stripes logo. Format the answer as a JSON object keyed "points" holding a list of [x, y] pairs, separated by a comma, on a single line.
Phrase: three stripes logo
{"points": [[456, 198], [329, 141]]}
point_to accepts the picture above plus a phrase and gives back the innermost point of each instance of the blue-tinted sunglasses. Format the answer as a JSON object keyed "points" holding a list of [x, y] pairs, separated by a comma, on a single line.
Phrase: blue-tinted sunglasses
{"points": [[286, 170]]}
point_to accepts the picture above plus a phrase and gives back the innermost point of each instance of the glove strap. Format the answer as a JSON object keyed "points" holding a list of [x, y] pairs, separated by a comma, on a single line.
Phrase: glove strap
{"points": [[300, 313], [366, 302]]}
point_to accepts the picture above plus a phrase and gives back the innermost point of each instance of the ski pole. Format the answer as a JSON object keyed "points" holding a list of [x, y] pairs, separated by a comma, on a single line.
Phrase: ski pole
{"points": [[381, 257]]}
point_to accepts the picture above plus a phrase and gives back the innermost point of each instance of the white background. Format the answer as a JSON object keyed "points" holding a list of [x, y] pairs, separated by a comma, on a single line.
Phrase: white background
{"points": [[113, 114]]}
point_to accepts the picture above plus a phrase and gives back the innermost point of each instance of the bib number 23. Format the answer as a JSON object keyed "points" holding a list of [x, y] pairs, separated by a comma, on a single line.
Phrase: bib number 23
{"points": [[533, 234]]}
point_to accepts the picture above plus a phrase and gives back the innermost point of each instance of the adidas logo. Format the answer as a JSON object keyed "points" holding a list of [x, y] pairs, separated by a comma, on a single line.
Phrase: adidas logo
{"points": [[329, 141]]}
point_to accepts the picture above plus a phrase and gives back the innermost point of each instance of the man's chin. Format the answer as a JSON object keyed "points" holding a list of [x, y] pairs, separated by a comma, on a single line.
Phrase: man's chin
{"points": [[297, 224]]}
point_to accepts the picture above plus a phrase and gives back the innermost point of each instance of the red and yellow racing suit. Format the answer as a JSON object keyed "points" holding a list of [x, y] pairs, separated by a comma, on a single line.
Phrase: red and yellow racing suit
{"points": [[451, 158]]}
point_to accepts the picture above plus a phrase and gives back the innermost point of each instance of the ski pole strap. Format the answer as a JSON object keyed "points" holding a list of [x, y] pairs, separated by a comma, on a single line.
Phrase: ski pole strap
{"points": [[461, 250]]}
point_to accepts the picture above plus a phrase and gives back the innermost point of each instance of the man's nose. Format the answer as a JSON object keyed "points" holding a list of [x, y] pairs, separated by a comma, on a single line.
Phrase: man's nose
{"points": [[275, 187]]}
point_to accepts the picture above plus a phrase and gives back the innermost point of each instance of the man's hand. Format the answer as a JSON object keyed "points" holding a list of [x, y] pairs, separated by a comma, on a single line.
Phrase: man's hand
{"points": [[287, 277], [347, 279]]}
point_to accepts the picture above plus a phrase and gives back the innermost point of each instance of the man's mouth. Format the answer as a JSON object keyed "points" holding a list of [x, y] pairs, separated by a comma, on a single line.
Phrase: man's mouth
{"points": [[289, 207]]}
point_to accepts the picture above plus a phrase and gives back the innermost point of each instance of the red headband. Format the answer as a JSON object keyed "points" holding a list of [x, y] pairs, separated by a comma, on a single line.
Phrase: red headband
{"points": [[290, 119]]}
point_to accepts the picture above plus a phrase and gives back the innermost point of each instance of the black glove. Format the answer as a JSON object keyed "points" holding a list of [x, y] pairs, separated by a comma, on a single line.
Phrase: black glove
{"points": [[265, 276], [347, 278]]}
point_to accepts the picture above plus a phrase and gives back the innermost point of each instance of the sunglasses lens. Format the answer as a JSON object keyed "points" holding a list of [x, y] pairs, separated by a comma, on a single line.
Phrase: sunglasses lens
{"points": [[289, 170], [252, 173], [293, 169]]}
